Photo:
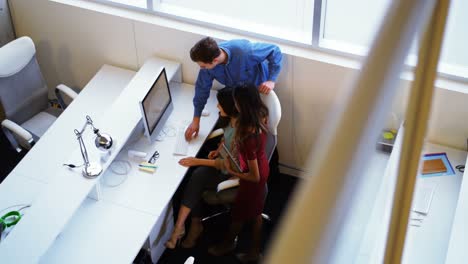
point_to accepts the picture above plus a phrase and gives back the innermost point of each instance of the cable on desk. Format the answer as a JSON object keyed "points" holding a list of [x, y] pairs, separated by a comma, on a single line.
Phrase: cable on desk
{"points": [[124, 169], [16, 205], [7, 225], [73, 166], [169, 131]]}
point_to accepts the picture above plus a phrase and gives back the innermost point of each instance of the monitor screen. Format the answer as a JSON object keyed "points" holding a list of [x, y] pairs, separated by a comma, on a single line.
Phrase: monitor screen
{"points": [[155, 103]]}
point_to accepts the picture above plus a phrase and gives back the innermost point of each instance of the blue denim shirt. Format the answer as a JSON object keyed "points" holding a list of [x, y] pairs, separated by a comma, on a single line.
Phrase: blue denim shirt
{"points": [[248, 63]]}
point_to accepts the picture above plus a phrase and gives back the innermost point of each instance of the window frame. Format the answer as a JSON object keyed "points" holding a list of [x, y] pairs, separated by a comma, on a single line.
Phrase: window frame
{"points": [[316, 43]]}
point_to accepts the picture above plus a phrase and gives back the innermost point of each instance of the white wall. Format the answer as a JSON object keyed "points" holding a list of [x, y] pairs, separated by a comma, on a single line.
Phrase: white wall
{"points": [[73, 43]]}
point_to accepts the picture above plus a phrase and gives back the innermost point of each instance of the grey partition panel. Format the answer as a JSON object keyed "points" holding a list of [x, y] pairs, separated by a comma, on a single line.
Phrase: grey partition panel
{"points": [[7, 32]]}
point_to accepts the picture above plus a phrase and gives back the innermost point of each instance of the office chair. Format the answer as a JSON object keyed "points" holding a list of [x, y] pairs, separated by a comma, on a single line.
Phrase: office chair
{"points": [[227, 190], [25, 111]]}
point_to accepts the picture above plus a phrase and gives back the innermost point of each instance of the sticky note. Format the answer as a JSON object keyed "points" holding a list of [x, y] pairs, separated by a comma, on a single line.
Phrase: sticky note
{"points": [[146, 169]]}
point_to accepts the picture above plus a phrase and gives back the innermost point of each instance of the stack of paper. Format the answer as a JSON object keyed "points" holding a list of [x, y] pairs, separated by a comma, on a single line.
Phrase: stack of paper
{"points": [[421, 203], [423, 198]]}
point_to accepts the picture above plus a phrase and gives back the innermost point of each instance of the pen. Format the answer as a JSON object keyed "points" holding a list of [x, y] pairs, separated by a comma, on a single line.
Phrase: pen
{"points": [[147, 166]]}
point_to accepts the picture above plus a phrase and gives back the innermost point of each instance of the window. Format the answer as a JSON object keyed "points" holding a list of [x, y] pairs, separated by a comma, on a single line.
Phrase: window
{"points": [[276, 18], [454, 56], [135, 3], [334, 25], [350, 26]]}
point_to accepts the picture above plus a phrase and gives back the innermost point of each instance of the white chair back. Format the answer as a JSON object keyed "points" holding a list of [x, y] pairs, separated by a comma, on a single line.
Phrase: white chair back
{"points": [[15, 55], [23, 91], [274, 107], [274, 116]]}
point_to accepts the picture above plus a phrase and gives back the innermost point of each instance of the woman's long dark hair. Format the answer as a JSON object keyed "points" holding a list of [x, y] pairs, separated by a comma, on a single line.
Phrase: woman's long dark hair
{"points": [[252, 112], [226, 101]]}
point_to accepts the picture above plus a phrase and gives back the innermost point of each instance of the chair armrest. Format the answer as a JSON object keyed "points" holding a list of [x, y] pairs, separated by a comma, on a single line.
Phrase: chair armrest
{"points": [[228, 184], [190, 260], [9, 128], [67, 91], [215, 133], [17, 130]]}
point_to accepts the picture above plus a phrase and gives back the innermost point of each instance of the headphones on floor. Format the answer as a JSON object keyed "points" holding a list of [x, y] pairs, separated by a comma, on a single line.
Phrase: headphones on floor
{"points": [[9, 219]]}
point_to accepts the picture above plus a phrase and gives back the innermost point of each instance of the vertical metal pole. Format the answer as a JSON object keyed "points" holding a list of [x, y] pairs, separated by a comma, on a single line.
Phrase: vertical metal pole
{"points": [[416, 119], [316, 22]]}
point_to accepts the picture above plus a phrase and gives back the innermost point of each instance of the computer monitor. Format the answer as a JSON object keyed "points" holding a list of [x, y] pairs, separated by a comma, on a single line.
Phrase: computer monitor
{"points": [[156, 106]]}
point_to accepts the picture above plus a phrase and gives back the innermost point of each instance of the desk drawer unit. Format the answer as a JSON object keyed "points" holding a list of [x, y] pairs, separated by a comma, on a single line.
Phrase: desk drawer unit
{"points": [[161, 232]]}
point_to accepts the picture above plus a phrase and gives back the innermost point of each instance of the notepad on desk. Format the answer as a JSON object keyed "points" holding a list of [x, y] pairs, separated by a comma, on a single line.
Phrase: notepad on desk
{"points": [[433, 166], [436, 164]]}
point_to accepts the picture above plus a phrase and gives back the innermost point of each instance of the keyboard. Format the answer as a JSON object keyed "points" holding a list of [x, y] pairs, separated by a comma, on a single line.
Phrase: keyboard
{"points": [[181, 145]]}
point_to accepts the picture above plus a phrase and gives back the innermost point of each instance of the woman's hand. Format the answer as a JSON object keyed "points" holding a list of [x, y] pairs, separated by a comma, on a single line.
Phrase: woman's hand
{"points": [[189, 162], [213, 154]]}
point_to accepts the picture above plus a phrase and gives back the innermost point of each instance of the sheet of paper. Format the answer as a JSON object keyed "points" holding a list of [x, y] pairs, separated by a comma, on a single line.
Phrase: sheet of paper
{"points": [[423, 198]]}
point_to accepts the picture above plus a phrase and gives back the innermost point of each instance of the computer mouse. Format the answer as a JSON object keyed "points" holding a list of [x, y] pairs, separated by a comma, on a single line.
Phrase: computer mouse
{"points": [[205, 112]]}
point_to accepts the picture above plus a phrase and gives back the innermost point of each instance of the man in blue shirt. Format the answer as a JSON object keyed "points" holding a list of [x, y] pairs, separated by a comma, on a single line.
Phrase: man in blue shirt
{"points": [[232, 63]]}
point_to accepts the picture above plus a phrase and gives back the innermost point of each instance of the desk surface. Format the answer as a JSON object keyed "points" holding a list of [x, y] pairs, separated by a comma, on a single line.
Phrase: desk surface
{"points": [[136, 198], [139, 190], [111, 81], [142, 195], [457, 252], [427, 243]]}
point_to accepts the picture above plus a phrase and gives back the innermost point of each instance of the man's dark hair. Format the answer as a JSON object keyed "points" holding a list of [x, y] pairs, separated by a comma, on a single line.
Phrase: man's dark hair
{"points": [[205, 50]]}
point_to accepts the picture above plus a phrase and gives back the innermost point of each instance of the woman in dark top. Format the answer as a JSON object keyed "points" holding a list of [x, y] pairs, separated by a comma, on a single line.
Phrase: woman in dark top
{"points": [[251, 138], [209, 173]]}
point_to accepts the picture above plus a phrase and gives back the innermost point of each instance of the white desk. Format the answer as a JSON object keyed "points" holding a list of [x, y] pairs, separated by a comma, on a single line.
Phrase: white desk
{"points": [[140, 201], [147, 195], [36, 170], [457, 252], [427, 243], [101, 91]]}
